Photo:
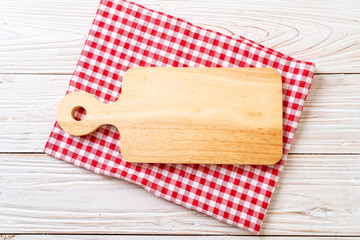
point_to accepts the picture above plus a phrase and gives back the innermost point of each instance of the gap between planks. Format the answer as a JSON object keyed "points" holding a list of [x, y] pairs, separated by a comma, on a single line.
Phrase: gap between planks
{"points": [[292, 154], [163, 237], [70, 74]]}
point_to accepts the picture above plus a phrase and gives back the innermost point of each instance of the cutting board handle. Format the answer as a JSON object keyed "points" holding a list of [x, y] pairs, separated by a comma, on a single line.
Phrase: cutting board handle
{"points": [[95, 112]]}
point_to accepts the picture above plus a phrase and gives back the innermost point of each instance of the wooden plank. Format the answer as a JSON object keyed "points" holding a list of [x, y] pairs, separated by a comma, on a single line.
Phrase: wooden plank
{"points": [[28, 106], [180, 115], [329, 124], [157, 237], [47, 37], [316, 195]]}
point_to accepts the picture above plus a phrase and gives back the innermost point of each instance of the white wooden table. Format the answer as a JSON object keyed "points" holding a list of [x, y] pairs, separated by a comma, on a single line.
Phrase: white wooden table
{"points": [[319, 190]]}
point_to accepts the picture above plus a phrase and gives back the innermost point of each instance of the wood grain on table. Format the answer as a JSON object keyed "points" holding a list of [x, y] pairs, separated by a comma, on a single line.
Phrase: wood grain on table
{"points": [[318, 193]]}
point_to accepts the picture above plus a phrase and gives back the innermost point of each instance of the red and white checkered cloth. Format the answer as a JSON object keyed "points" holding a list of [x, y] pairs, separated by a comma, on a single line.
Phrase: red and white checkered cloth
{"points": [[124, 35]]}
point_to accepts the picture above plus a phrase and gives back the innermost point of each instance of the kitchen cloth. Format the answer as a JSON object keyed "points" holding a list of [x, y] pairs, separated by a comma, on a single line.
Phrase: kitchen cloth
{"points": [[125, 34]]}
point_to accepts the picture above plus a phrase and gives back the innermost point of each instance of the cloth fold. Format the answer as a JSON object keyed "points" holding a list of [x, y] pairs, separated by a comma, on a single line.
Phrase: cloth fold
{"points": [[125, 34]]}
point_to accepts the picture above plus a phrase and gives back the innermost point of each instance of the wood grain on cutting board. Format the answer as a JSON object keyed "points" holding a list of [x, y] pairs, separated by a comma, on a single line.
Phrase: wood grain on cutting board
{"points": [[189, 115]]}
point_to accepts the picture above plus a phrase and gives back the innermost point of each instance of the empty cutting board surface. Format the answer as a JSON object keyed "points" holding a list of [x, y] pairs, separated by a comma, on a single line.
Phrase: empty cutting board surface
{"points": [[189, 115]]}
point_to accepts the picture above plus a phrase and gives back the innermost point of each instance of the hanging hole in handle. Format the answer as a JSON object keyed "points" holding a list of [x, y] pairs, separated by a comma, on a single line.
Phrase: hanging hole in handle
{"points": [[78, 113]]}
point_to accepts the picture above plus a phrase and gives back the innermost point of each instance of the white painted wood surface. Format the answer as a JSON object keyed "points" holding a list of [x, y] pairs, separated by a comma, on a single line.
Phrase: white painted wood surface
{"points": [[40, 194], [329, 122], [318, 193], [40, 36]]}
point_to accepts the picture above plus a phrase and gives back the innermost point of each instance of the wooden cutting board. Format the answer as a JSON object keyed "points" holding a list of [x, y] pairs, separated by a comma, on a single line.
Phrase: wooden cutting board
{"points": [[189, 115]]}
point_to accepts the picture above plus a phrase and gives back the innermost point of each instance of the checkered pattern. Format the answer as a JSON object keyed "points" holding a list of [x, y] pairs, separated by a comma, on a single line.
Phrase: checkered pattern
{"points": [[124, 35]]}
